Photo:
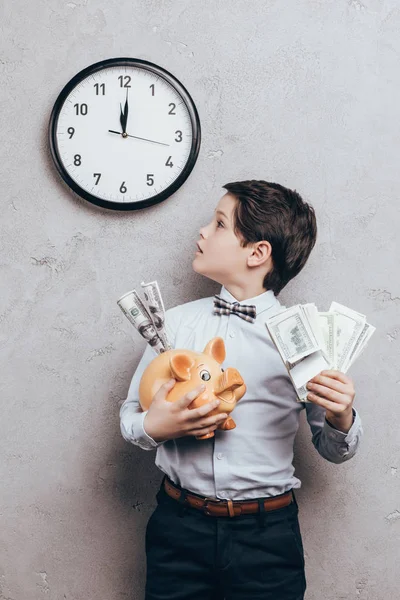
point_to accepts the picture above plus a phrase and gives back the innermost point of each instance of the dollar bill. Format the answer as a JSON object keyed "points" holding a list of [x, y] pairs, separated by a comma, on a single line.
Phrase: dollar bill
{"points": [[313, 318], [302, 394], [292, 334], [327, 324], [361, 344], [350, 325], [155, 308], [136, 312]]}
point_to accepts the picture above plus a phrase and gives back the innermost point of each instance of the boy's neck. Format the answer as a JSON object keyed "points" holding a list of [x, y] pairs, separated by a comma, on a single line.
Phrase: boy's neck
{"points": [[245, 292]]}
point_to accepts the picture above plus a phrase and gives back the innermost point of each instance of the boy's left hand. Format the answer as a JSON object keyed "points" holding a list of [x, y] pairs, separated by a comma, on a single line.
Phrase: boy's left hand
{"points": [[335, 392]]}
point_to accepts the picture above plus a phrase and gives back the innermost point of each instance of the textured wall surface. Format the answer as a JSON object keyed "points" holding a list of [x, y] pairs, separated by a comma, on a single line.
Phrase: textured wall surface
{"points": [[305, 93]]}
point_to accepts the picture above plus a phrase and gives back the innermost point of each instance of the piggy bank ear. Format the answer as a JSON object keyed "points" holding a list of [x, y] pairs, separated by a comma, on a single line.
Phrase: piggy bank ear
{"points": [[180, 365], [216, 349]]}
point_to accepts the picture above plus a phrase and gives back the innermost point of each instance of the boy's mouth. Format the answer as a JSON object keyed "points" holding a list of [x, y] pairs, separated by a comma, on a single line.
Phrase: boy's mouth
{"points": [[199, 249]]}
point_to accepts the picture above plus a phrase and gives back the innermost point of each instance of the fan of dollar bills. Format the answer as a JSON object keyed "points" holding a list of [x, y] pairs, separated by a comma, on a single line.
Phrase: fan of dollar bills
{"points": [[309, 341], [147, 315]]}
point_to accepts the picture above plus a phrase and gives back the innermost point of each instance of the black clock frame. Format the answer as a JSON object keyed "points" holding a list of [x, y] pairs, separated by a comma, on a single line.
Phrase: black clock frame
{"points": [[194, 118]]}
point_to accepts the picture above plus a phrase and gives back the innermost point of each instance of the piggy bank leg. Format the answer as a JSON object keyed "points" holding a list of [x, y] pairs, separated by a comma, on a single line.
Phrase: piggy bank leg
{"points": [[206, 436], [229, 423]]}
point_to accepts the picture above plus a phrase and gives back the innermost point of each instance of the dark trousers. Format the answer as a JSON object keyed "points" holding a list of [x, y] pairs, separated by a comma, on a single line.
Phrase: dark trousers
{"points": [[192, 556]]}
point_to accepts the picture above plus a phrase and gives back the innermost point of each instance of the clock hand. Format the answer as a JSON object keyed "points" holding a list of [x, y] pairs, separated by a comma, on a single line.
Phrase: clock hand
{"points": [[122, 119], [136, 137], [121, 116], [124, 115], [126, 110]]}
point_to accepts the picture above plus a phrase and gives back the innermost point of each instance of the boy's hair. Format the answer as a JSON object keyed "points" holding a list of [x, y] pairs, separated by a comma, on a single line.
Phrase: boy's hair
{"points": [[271, 212]]}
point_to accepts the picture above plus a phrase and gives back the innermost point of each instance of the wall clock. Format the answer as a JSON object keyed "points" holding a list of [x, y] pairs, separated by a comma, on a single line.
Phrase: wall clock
{"points": [[124, 133]]}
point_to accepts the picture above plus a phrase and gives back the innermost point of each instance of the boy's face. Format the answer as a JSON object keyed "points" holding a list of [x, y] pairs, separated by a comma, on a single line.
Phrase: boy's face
{"points": [[222, 258]]}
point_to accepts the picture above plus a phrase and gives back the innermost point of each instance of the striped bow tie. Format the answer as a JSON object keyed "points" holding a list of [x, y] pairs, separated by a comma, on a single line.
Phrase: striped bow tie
{"points": [[244, 311]]}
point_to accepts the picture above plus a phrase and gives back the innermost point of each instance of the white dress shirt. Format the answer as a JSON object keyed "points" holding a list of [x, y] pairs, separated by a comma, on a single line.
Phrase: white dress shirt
{"points": [[254, 459]]}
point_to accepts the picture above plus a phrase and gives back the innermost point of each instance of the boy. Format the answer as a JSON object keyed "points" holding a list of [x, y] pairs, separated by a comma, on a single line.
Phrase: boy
{"points": [[226, 523]]}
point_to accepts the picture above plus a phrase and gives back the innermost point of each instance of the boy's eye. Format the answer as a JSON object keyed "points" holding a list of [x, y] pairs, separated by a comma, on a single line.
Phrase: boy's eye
{"points": [[220, 223], [205, 375]]}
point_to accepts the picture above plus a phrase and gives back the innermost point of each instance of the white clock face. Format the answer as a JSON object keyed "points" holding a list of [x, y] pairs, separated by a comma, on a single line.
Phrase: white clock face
{"points": [[117, 163]]}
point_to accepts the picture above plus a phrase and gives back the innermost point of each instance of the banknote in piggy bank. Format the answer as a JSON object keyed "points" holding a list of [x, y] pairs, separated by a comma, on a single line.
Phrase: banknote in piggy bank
{"points": [[191, 369]]}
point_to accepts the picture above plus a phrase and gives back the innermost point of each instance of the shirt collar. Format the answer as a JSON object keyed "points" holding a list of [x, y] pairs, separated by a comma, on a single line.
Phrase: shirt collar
{"points": [[261, 302]]}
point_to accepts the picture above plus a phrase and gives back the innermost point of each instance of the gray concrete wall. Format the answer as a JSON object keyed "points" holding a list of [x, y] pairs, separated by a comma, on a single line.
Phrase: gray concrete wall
{"points": [[302, 93]]}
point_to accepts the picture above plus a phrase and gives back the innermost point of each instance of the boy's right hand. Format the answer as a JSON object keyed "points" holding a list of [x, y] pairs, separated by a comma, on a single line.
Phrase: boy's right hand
{"points": [[168, 420]]}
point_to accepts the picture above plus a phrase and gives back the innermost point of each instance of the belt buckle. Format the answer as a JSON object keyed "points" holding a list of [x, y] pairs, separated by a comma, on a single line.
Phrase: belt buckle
{"points": [[206, 510]]}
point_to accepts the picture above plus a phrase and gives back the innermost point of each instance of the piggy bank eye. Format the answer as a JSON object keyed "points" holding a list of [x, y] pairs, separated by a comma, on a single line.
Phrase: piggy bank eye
{"points": [[205, 375], [222, 369]]}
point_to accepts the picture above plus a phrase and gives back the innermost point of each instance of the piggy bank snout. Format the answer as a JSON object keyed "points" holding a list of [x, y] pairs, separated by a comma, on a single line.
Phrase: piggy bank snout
{"points": [[229, 379], [230, 386]]}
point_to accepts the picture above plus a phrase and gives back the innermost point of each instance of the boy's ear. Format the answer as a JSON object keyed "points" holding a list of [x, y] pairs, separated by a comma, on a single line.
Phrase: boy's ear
{"points": [[260, 254]]}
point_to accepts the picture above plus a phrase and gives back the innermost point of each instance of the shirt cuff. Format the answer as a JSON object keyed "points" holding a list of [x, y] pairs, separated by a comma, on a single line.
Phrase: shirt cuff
{"points": [[145, 439], [340, 436]]}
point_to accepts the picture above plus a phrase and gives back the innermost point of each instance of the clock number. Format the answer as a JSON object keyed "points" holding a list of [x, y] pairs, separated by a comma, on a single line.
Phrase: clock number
{"points": [[122, 189], [169, 163], [150, 180], [171, 112], [179, 133], [81, 109], [127, 82], [97, 86], [71, 132], [98, 175], [77, 160], [152, 89]]}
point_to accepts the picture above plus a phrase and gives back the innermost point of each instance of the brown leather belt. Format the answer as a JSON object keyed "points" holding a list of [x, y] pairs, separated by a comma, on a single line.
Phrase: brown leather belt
{"points": [[226, 508]]}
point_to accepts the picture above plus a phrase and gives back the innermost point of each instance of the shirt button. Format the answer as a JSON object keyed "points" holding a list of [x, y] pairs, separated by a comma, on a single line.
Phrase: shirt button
{"points": [[232, 334], [220, 455]]}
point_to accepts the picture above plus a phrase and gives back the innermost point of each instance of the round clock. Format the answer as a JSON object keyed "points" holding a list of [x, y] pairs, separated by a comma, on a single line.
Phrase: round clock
{"points": [[124, 133]]}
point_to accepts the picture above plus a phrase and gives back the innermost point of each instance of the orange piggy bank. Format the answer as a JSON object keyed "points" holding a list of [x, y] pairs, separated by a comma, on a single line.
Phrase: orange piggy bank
{"points": [[191, 369]]}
